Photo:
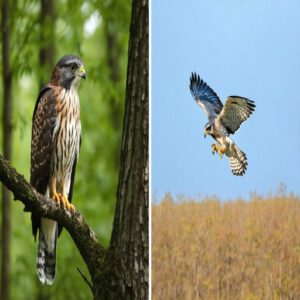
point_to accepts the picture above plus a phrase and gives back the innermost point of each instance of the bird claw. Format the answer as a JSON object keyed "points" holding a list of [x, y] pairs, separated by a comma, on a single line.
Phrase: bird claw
{"points": [[221, 153], [56, 198], [61, 199], [214, 148], [218, 149]]}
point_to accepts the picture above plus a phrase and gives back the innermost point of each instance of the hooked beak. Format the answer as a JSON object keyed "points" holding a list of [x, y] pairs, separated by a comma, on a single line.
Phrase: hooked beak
{"points": [[82, 73]]}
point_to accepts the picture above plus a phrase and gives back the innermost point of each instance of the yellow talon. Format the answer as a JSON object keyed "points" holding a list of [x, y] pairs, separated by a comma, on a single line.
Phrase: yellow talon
{"points": [[63, 200], [214, 148], [69, 206], [59, 198], [56, 198], [221, 151]]}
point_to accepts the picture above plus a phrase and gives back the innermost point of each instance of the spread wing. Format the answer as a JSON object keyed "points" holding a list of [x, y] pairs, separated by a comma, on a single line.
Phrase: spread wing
{"points": [[235, 111], [205, 97], [43, 123]]}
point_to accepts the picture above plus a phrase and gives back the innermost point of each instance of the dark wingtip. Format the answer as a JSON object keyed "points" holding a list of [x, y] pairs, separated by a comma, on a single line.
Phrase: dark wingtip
{"points": [[251, 104], [195, 80], [193, 77]]}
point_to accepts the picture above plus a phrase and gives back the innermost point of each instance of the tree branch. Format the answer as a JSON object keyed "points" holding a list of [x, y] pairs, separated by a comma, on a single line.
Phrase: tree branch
{"points": [[83, 236]]}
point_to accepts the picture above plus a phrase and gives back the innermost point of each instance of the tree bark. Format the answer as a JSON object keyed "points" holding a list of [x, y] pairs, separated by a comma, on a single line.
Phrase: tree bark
{"points": [[129, 248], [7, 137]]}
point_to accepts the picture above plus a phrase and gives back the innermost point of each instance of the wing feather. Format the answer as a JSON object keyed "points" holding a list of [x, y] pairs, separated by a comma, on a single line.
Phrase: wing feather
{"points": [[43, 123], [235, 111], [205, 97]]}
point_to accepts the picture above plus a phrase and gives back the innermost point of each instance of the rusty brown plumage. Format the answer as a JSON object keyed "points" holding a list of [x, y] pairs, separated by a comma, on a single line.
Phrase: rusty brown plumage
{"points": [[56, 134]]}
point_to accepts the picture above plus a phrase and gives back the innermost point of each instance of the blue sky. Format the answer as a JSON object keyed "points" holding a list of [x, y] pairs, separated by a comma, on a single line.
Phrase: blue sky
{"points": [[246, 48]]}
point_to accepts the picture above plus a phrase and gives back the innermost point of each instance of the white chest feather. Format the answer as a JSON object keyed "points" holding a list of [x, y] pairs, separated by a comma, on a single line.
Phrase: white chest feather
{"points": [[67, 132]]}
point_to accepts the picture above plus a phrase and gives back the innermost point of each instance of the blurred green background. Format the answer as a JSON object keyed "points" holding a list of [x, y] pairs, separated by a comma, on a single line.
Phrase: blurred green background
{"points": [[98, 32]]}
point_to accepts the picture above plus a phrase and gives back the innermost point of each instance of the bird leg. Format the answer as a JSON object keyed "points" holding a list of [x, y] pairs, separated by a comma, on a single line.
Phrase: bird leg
{"points": [[61, 198], [56, 197], [214, 148], [219, 149], [66, 204]]}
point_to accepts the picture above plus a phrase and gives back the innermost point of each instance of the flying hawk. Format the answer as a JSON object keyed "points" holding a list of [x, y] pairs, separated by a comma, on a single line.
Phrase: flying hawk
{"points": [[223, 121], [55, 143]]}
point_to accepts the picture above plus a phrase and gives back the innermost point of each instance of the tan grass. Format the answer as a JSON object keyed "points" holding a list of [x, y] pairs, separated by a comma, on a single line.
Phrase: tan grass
{"points": [[232, 250]]}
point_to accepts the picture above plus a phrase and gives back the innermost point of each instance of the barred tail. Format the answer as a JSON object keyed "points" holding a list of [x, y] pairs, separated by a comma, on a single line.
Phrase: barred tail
{"points": [[46, 259], [238, 161]]}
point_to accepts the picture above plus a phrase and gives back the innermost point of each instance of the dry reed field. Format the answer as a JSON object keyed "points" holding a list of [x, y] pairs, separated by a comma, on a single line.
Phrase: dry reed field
{"points": [[226, 250]]}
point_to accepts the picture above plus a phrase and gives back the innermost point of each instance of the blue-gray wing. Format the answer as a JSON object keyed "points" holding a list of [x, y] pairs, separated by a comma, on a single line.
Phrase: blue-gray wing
{"points": [[205, 97]]}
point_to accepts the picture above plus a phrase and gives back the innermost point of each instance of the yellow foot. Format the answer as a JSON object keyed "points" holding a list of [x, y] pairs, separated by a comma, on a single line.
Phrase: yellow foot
{"points": [[61, 199], [214, 148], [221, 151], [217, 148], [56, 198], [66, 204]]}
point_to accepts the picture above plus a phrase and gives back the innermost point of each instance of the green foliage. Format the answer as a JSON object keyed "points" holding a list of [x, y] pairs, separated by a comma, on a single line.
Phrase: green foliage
{"points": [[80, 28]]}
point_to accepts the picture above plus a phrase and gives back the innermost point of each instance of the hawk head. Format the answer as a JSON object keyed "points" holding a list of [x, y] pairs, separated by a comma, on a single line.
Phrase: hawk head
{"points": [[68, 72], [208, 129]]}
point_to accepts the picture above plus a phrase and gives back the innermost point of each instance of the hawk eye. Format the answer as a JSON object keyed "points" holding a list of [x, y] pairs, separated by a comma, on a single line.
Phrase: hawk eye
{"points": [[73, 67]]}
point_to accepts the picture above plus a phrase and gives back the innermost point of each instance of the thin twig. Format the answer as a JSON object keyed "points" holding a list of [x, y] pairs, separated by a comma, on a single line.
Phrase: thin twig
{"points": [[85, 279]]}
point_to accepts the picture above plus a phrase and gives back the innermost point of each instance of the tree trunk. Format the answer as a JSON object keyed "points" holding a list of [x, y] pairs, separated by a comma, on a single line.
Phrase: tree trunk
{"points": [[47, 46], [7, 133], [126, 275]]}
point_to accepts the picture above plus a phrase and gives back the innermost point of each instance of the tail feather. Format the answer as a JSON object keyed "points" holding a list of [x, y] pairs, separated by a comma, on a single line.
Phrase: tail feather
{"points": [[238, 160], [46, 259]]}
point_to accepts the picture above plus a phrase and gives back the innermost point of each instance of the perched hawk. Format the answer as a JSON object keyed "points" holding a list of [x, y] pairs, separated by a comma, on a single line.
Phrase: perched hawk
{"points": [[56, 136], [223, 121]]}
